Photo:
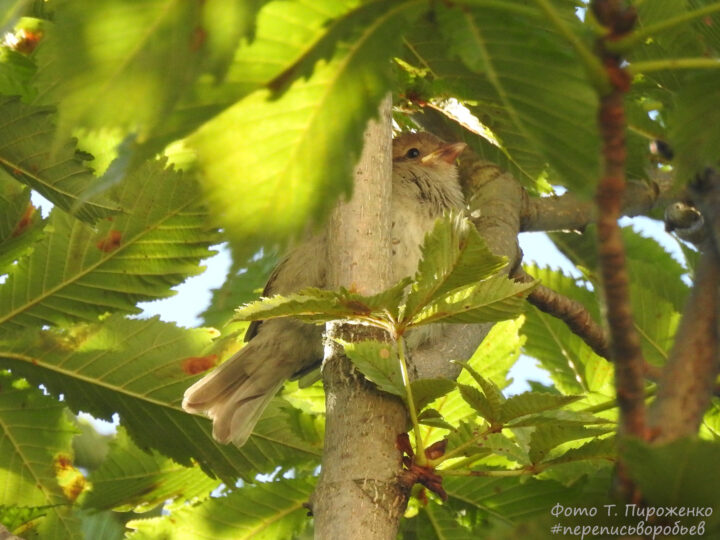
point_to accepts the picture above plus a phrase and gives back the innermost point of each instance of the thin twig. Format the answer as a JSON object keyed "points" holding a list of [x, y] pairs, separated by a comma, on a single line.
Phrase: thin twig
{"points": [[571, 312]]}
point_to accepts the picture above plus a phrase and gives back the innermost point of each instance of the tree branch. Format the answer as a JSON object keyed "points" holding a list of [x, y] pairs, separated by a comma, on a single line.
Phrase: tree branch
{"points": [[358, 495], [568, 212], [688, 380], [572, 313]]}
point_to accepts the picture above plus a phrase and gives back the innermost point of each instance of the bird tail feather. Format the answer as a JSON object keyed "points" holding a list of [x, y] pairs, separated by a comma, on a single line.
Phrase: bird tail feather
{"points": [[232, 397]]}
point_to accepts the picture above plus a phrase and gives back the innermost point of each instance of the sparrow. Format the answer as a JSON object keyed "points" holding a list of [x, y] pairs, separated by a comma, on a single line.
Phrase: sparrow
{"points": [[234, 395]]}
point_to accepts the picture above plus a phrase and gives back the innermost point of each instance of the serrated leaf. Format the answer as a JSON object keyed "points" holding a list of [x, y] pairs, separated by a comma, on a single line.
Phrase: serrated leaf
{"points": [[26, 139], [495, 399], [263, 511], [226, 23], [379, 363], [35, 446], [20, 222], [557, 417], [242, 285], [132, 479], [532, 402], [695, 126], [433, 522], [77, 273], [426, 391], [310, 151], [16, 70], [597, 449], [541, 83], [106, 525], [477, 441], [432, 418], [467, 435], [320, 305], [572, 365], [454, 256], [545, 437], [479, 402], [96, 55], [139, 369], [511, 499], [681, 473], [495, 299]]}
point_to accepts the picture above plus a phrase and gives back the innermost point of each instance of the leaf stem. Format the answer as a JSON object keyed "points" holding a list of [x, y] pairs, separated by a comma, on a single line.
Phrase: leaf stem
{"points": [[420, 458], [592, 64], [452, 453], [645, 32], [491, 473], [649, 66]]}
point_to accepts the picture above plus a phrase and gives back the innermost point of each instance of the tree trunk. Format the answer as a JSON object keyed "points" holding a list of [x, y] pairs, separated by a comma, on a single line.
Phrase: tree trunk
{"points": [[358, 495]]}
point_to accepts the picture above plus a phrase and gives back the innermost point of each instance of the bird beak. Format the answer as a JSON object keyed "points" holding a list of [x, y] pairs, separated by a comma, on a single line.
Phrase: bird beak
{"points": [[447, 153]]}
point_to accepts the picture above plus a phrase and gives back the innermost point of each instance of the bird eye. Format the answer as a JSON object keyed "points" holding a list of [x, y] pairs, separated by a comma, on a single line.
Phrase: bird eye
{"points": [[412, 153]]}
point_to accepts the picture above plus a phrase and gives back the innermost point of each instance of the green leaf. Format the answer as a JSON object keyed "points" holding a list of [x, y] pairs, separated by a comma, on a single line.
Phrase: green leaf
{"points": [[483, 443], [241, 286], [496, 354], [432, 418], [433, 522], [302, 151], [545, 437], [597, 449], [35, 447], [541, 83], [675, 474], [532, 402], [139, 369], [90, 447], [379, 363], [10, 12], [96, 55], [479, 402], [572, 365], [426, 391], [106, 525], [16, 71], [26, 138], [264, 512], [296, 428], [20, 223], [511, 499], [132, 479], [14, 517], [463, 434], [319, 305], [442, 74], [495, 299], [454, 256], [77, 273], [226, 23], [695, 126], [557, 417], [495, 399]]}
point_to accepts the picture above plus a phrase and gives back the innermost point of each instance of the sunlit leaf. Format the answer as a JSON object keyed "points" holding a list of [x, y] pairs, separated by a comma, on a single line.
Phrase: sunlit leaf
{"points": [[140, 369], [26, 139], [454, 255], [264, 511], [292, 155]]}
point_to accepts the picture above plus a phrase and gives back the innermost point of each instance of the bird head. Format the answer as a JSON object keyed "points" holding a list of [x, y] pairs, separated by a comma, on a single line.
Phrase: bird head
{"points": [[426, 150]]}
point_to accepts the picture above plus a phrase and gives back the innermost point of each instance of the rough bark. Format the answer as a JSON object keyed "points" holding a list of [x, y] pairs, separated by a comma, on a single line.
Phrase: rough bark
{"points": [[688, 378], [358, 495]]}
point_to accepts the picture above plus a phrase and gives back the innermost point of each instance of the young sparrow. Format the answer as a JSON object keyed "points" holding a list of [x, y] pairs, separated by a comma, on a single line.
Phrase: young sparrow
{"points": [[234, 395]]}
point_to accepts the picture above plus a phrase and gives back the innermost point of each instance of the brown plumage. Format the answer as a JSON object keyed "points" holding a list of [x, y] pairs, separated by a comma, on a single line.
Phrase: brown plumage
{"points": [[235, 394]]}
